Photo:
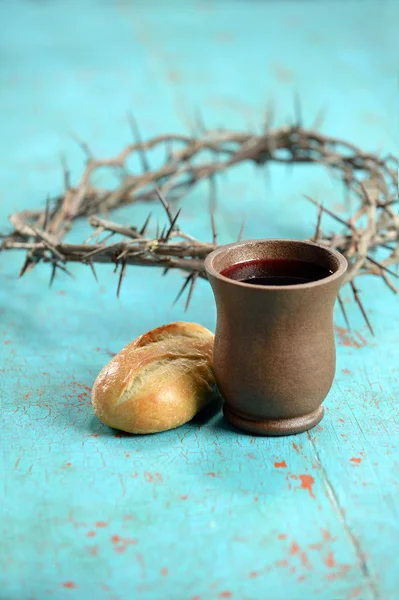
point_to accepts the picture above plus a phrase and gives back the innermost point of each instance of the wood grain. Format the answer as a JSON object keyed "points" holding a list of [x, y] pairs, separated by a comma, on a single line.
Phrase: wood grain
{"points": [[202, 512]]}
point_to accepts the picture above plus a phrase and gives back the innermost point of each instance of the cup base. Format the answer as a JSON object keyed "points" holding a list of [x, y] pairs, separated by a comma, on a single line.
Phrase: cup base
{"points": [[274, 427]]}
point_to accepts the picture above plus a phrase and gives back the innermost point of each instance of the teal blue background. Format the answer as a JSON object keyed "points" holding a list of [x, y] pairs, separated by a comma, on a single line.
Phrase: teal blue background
{"points": [[202, 512]]}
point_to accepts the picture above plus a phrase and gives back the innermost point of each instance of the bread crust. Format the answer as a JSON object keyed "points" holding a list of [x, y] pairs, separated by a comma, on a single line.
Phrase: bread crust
{"points": [[157, 382]]}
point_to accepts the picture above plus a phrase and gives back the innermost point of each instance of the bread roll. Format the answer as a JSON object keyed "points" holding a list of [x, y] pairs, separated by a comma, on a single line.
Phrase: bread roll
{"points": [[157, 382]]}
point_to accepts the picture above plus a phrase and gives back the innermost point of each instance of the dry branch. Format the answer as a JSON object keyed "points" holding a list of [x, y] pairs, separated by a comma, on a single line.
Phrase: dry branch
{"points": [[371, 178]]}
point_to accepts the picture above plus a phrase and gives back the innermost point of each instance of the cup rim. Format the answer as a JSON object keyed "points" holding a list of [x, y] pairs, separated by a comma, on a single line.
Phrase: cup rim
{"points": [[210, 269]]}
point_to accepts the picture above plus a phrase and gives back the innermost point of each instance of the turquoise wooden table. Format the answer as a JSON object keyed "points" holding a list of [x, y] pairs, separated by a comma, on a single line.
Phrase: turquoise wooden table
{"points": [[202, 512]]}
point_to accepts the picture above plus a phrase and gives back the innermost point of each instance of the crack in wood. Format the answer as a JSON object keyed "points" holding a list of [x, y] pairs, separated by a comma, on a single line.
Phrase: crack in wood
{"points": [[333, 497]]}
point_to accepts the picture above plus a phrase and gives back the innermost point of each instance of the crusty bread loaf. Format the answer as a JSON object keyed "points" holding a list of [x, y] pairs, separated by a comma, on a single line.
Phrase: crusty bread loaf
{"points": [[157, 382]]}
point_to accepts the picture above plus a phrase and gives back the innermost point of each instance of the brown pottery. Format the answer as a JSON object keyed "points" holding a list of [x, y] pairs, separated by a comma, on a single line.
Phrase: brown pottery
{"points": [[274, 353]]}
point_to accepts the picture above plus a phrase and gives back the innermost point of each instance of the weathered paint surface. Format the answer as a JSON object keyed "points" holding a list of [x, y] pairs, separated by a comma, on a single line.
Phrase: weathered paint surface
{"points": [[202, 512]]}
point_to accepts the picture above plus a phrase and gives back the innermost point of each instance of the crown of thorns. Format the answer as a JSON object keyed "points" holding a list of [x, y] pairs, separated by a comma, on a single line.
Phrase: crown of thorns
{"points": [[372, 231]]}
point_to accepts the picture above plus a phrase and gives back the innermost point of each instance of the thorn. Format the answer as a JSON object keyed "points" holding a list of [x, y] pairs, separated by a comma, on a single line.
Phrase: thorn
{"points": [[45, 241], [164, 203], [212, 192], [67, 271], [357, 299], [190, 292], [98, 231], [320, 213], [165, 271], [214, 232], [84, 146], [161, 237], [329, 212], [91, 265], [137, 138], [107, 237], [121, 276], [381, 266], [25, 266], [46, 214], [343, 309], [183, 287], [172, 225], [298, 110], [66, 173], [124, 252], [389, 283], [240, 234], [347, 190], [212, 206], [53, 272], [143, 229]]}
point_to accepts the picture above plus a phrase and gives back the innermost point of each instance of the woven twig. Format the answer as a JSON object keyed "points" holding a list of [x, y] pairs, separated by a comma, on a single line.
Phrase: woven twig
{"points": [[371, 178]]}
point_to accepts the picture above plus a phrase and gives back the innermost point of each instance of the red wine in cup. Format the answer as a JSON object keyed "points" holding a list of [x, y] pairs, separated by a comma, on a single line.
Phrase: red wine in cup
{"points": [[276, 271]]}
